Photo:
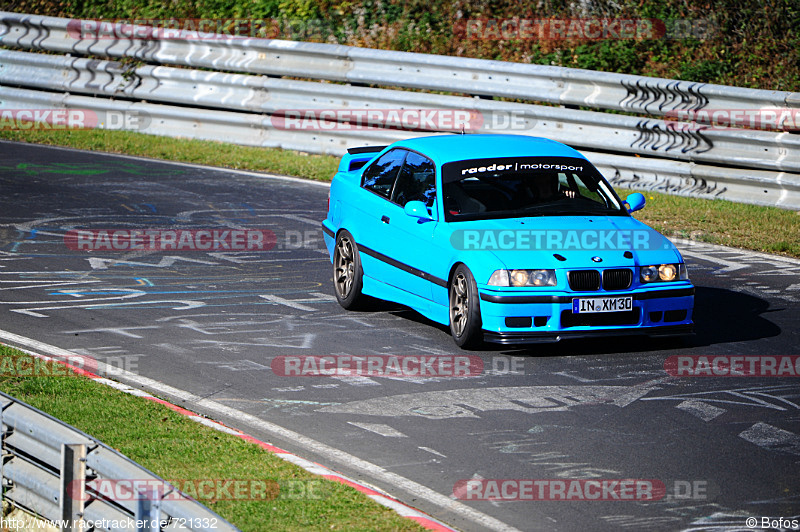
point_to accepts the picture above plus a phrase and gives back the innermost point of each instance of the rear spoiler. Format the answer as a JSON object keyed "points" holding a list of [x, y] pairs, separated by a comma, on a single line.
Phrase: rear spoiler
{"points": [[365, 149], [356, 158]]}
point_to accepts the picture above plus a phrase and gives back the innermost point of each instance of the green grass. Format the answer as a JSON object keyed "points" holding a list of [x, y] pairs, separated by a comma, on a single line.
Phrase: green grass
{"points": [[175, 447], [286, 162], [767, 229]]}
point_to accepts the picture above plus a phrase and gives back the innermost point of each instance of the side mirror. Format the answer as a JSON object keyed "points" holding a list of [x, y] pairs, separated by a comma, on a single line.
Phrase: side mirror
{"points": [[634, 202], [417, 209]]}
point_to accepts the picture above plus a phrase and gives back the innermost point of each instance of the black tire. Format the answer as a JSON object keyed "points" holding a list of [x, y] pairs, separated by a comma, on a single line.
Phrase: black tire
{"points": [[347, 272], [465, 310]]}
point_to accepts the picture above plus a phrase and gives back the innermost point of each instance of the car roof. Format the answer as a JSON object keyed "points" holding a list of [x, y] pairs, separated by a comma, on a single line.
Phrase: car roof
{"points": [[453, 147]]}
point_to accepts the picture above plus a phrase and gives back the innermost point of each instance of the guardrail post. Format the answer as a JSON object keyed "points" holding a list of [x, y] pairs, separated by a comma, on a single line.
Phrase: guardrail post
{"points": [[73, 486], [148, 511]]}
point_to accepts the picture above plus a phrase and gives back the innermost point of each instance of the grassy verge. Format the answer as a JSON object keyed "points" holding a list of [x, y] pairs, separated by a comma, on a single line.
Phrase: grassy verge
{"points": [[286, 162], [174, 447], [766, 229]]}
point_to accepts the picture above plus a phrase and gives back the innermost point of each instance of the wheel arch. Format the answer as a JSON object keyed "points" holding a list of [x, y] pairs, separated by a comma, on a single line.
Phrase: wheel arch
{"points": [[452, 271]]}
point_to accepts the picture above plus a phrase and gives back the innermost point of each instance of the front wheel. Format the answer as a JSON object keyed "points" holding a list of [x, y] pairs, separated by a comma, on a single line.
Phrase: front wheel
{"points": [[347, 273], [465, 311]]}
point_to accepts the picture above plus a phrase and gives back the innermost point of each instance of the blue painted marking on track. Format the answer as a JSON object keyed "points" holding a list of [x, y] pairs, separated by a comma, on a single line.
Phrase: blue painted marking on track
{"points": [[232, 292], [89, 293]]}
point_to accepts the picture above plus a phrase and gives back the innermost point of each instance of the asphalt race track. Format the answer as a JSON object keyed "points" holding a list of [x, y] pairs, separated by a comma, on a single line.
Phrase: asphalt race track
{"points": [[210, 324]]}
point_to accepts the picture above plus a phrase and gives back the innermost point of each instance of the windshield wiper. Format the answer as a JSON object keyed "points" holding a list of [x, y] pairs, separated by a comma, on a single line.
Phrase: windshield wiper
{"points": [[537, 206]]}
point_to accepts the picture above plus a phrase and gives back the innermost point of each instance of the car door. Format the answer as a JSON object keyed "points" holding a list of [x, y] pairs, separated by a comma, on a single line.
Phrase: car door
{"points": [[410, 239], [372, 220]]}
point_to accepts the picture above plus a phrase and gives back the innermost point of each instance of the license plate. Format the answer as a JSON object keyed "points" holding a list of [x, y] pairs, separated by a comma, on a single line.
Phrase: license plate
{"points": [[601, 304]]}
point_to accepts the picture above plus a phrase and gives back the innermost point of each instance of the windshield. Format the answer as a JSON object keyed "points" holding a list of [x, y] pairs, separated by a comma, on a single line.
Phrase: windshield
{"points": [[511, 187]]}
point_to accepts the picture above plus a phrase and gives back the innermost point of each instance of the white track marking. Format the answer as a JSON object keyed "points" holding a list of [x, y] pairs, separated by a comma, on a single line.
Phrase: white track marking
{"points": [[772, 438], [379, 428], [464, 403], [704, 411], [433, 451], [297, 304], [122, 331]]}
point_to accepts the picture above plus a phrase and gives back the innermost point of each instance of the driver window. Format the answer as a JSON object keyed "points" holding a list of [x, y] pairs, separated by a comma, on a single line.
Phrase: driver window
{"points": [[585, 192], [416, 182]]}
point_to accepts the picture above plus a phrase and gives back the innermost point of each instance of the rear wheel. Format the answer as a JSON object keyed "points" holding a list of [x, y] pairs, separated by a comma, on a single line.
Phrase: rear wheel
{"points": [[465, 312], [347, 272]]}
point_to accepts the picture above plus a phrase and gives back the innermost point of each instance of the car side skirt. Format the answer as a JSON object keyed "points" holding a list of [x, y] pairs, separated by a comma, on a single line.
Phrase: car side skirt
{"points": [[429, 309], [402, 266]]}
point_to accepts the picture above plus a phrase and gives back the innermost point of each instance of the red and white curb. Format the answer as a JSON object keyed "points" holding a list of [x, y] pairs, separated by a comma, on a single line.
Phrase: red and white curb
{"points": [[312, 467]]}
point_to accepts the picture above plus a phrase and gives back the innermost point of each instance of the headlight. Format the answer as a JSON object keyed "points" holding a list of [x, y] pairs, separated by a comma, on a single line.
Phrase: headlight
{"points": [[542, 278], [663, 272], [649, 274], [519, 277], [667, 272], [499, 278], [523, 278]]}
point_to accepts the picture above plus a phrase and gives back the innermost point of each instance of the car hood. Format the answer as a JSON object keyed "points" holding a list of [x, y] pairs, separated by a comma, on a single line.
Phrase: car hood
{"points": [[566, 241]]}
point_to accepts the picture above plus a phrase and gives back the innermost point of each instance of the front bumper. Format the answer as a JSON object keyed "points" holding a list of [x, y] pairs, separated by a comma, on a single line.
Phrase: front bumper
{"points": [[512, 338], [515, 318]]}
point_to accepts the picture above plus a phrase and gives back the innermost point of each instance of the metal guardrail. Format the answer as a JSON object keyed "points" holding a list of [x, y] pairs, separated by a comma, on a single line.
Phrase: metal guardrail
{"points": [[45, 467], [583, 129], [566, 86], [751, 166]]}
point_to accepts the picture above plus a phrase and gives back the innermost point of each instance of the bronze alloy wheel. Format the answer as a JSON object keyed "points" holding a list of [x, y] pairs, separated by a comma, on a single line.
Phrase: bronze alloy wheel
{"points": [[465, 312], [347, 274], [459, 304], [344, 267]]}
